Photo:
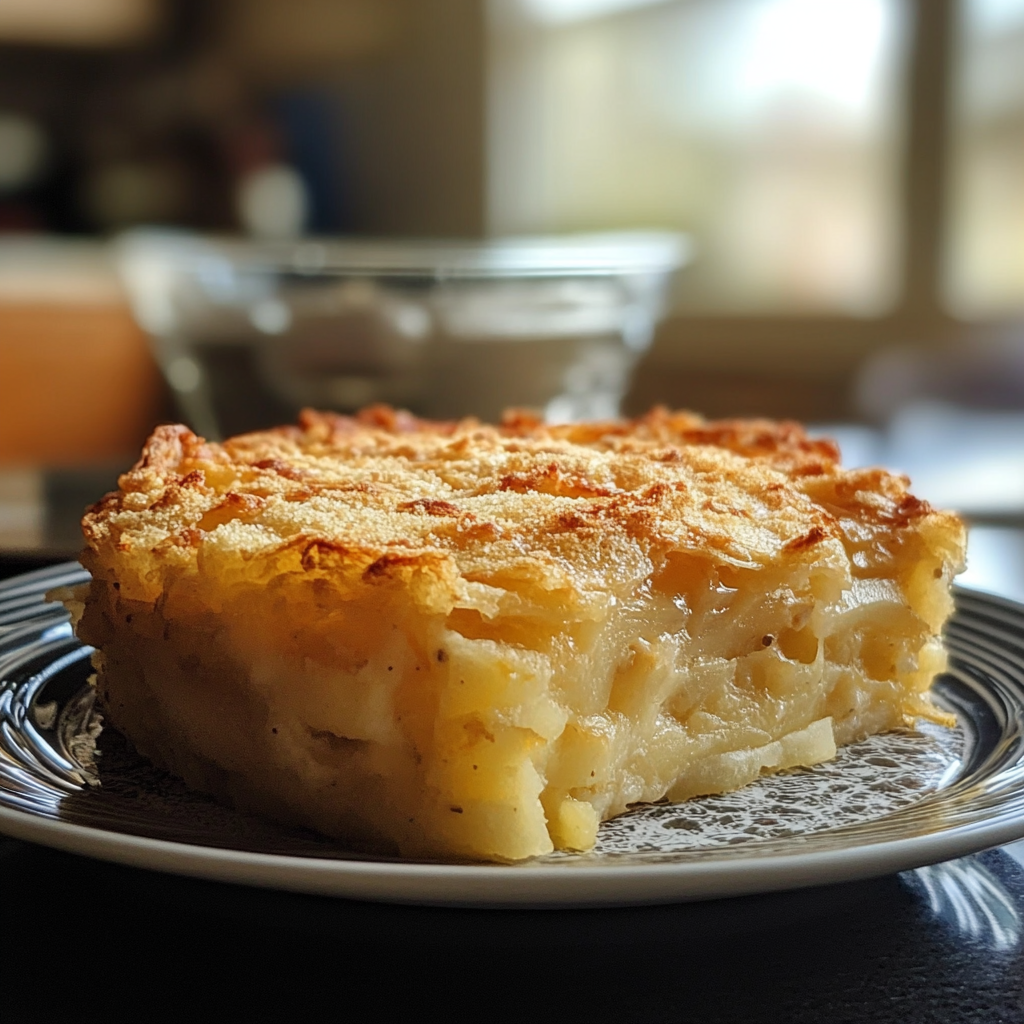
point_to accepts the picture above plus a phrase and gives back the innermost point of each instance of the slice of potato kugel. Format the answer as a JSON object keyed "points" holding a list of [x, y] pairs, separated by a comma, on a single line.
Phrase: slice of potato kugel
{"points": [[459, 640]]}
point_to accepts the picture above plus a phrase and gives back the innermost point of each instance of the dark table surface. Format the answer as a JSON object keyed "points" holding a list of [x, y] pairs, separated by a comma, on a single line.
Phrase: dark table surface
{"points": [[92, 941], [96, 942]]}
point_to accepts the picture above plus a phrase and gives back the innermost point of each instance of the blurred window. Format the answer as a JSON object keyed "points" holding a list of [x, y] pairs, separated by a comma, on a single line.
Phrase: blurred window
{"points": [[768, 129], [985, 269]]}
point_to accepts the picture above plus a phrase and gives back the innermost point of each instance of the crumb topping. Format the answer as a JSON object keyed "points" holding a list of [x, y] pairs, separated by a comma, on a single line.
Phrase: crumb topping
{"points": [[387, 494]]}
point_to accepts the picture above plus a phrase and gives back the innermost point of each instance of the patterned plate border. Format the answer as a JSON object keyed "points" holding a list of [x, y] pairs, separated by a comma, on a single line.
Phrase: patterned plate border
{"points": [[971, 793]]}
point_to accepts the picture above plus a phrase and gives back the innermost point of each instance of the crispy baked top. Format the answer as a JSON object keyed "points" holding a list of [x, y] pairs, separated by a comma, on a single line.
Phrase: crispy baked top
{"points": [[579, 507]]}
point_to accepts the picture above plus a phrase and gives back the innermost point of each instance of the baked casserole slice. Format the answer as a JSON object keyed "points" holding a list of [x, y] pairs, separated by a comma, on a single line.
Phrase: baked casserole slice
{"points": [[458, 640]]}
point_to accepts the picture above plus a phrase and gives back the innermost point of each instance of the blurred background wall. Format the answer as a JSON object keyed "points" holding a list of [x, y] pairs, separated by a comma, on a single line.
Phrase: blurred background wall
{"points": [[851, 173]]}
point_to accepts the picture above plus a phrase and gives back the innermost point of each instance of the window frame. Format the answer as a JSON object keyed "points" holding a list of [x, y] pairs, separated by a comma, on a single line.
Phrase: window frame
{"points": [[813, 346]]}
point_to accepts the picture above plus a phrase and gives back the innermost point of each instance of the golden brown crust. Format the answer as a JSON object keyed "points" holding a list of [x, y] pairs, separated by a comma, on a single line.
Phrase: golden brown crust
{"points": [[383, 489]]}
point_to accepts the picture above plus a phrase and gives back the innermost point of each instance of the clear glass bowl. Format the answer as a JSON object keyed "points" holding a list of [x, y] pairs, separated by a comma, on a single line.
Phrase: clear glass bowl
{"points": [[248, 333]]}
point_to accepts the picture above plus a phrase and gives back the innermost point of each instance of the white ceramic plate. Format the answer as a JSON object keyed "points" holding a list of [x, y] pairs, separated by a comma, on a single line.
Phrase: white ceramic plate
{"points": [[891, 803]]}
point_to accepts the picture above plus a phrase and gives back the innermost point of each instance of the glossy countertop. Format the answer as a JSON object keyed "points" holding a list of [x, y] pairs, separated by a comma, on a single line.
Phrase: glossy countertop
{"points": [[108, 943]]}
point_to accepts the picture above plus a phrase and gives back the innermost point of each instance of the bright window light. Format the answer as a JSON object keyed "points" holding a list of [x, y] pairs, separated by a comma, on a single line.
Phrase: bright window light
{"points": [[993, 17], [985, 259], [768, 129], [556, 12]]}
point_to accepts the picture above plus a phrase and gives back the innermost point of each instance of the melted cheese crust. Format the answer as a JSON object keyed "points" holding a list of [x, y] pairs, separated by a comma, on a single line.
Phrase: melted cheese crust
{"points": [[459, 639]]}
